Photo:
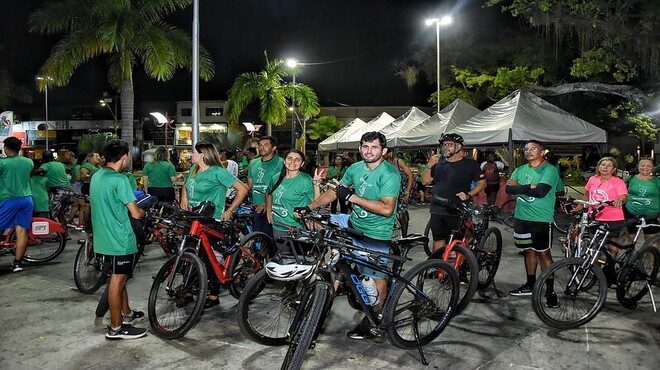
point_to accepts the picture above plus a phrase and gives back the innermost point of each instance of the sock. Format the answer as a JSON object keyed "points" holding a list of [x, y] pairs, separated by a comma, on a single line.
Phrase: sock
{"points": [[550, 285], [17, 262], [531, 280]]}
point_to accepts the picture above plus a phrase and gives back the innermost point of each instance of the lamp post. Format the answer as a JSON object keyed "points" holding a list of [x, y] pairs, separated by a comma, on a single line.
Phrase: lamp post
{"points": [[104, 103], [162, 120], [292, 63], [444, 21], [46, 80]]}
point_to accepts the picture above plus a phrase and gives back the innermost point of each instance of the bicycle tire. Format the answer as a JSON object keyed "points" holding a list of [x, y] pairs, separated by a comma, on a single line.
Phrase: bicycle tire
{"points": [[46, 249], [88, 268], [468, 273], [428, 247], [505, 214], [561, 220], [103, 306], [405, 307], [632, 285], [242, 267], [488, 254], [396, 229], [577, 305], [303, 334], [174, 311]]}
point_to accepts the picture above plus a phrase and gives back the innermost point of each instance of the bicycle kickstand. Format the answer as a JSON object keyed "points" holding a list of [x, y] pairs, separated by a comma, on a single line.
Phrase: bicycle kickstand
{"points": [[419, 345], [651, 294]]}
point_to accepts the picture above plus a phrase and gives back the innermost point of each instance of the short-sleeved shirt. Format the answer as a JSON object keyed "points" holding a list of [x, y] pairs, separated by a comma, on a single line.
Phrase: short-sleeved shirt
{"points": [[15, 177], [131, 178], [56, 175], [39, 193], [110, 192], [451, 178], [211, 185], [421, 169], [159, 173], [91, 169], [333, 172], [261, 172], [643, 196], [75, 172], [383, 181], [289, 194], [611, 189], [536, 209]]}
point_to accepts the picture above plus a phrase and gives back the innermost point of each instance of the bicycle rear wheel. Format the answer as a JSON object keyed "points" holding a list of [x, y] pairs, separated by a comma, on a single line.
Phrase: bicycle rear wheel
{"points": [[428, 247], [88, 268], [303, 334], [505, 215], [242, 267], [175, 307], [468, 272], [579, 300], [635, 275], [488, 255], [561, 220], [43, 248]]}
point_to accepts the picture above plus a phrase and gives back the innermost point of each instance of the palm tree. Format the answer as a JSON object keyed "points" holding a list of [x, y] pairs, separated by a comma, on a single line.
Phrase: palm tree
{"points": [[269, 89], [11, 92], [127, 32]]}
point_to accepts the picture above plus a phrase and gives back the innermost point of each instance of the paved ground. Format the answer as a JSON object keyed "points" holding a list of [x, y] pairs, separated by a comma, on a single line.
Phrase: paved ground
{"points": [[47, 324]]}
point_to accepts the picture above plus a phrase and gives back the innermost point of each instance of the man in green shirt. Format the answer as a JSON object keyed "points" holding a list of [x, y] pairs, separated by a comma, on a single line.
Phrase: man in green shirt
{"points": [[377, 186], [535, 184], [15, 197], [260, 173], [38, 186], [111, 197], [59, 188]]}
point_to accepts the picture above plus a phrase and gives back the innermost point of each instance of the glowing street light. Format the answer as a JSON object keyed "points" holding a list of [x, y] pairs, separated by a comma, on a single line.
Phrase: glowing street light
{"points": [[443, 21], [292, 63], [47, 80], [162, 121], [104, 103]]}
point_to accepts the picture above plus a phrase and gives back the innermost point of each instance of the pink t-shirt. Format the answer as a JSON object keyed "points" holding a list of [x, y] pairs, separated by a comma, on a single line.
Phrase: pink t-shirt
{"points": [[611, 189]]}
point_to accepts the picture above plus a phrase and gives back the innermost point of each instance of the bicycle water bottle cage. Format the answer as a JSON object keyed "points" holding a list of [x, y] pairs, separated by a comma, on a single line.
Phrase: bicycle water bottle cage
{"points": [[290, 268], [205, 208]]}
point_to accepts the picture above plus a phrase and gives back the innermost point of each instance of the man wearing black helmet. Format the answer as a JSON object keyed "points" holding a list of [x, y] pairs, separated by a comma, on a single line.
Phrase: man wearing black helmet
{"points": [[451, 177]]}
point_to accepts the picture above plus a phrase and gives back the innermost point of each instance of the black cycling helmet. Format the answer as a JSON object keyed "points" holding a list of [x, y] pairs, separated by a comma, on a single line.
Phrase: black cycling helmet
{"points": [[456, 138], [238, 150]]}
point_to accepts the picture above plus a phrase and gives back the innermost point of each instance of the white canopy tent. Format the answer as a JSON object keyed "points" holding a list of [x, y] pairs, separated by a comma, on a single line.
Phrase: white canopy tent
{"points": [[413, 117], [331, 142], [352, 140]]}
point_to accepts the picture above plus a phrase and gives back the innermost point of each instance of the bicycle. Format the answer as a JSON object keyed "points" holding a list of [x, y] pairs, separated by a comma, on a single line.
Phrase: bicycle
{"points": [[560, 221], [474, 249], [46, 241], [179, 290], [581, 283], [279, 310]]}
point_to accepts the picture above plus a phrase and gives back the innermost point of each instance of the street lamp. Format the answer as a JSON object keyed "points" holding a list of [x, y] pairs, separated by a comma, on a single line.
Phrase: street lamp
{"points": [[443, 21], [47, 80], [252, 128], [292, 63], [162, 120], [104, 103]]}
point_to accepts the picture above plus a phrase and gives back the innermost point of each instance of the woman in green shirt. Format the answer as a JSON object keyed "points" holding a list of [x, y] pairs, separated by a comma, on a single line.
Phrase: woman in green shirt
{"points": [[643, 197], [158, 177], [335, 172]]}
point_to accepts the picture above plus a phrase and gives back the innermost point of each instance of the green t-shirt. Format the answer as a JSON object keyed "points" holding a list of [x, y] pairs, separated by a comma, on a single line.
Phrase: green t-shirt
{"points": [[131, 178], [109, 194], [643, 196], [15, 177], [91, 169], [261, 172], [212, 185], [382, 182], [56, 175], [160, 174], [39, 193], [421, 169], [531, 208], [333, 173], [291, 193], [75, 171]]}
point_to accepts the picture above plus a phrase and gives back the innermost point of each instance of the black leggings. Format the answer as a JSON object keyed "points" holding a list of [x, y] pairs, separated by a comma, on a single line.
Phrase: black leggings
{"points": [[163, 194]]}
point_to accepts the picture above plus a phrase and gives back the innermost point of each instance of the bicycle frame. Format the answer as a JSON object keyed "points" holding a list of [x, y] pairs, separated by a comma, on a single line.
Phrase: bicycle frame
{"points": [[40, 227]]}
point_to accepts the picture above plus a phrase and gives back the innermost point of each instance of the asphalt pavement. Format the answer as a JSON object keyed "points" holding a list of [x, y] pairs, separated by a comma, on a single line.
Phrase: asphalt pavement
{"points": [[47, 324]]}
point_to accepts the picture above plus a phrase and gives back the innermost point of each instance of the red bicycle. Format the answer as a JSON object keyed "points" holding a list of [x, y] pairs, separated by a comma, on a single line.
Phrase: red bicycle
{"points": [[46, 241], [180, 287]]}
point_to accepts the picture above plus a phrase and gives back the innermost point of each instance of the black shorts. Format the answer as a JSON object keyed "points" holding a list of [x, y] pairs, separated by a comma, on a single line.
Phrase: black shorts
{"points": [[421, 187], [532, 235], [121, 265], [442, 226]]}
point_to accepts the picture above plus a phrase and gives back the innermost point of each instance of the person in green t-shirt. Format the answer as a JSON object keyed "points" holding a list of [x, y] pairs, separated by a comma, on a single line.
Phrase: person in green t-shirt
{"points": [[39, 188], [15, 197], [59, 188], [535, 184], [421, 188], [376, 185], [289, 189], [261, 170], [643, 198], [158, 177], [113, 202], [335, 172]]}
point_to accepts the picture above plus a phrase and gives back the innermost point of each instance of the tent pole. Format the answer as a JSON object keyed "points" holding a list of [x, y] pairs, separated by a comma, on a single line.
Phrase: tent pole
{"points": [[511, 156]]}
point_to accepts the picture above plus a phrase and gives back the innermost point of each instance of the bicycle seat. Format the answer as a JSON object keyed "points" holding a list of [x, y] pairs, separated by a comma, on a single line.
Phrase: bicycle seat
{"points": [[412, 239]]}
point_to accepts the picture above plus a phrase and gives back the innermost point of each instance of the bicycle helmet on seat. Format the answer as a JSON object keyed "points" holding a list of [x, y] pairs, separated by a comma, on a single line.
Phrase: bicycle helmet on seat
{"points": [[288, 268], [456, 138]]}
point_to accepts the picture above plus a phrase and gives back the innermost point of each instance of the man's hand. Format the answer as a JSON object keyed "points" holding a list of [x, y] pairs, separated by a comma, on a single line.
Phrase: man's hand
{"points": [[344, 193], [301, 211], [261, 208], [433, 161]]}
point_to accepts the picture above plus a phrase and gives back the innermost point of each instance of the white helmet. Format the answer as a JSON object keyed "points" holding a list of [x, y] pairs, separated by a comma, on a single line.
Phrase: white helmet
{"points": [[288, 268]]}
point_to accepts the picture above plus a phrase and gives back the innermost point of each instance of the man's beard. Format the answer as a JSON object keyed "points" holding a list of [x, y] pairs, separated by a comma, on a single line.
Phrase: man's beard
{"points": [[449, 155], [376, 159]]}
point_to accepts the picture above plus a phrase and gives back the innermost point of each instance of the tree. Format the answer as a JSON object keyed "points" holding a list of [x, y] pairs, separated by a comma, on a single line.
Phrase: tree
{"points": [[126, 32], [271, 92], [323, 127], [11, 92]]}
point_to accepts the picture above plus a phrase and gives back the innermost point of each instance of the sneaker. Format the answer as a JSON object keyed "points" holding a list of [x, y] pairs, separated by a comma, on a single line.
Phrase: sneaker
{"points": [[126, 332], [211, 303], [522, 290], [15, 267], [551, 300], [132, 317], [362, 331]]}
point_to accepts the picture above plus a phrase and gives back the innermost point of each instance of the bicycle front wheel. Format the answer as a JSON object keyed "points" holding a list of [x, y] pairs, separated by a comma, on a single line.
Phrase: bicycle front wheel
{"points": [[88, 272], [419, 312], [488, 255], [301, 338], [505, 215], [43, 248], [579, 299], [636, 276], [177, 296], [468, 272], [428, 247], [243, 267]]}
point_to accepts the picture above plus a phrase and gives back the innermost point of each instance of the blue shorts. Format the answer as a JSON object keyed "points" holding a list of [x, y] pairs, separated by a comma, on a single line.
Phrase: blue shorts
{"points": [[16, 211], [381, 246]]}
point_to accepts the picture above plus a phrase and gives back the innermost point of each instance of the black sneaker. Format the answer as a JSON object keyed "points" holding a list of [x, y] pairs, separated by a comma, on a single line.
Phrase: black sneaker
{"points": [[132, 317], [15, 267], [551, 300], [126, 332], [522, 290], [211, 303], [362, 331]]}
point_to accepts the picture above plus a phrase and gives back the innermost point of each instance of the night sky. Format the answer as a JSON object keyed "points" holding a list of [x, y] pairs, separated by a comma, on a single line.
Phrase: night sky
{"points": [[355, 42]]}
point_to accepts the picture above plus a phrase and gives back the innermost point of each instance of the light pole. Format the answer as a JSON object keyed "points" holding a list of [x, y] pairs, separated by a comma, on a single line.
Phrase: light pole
{"points": [[292, 63], [162, 120], [444, 21], [104, 103], [46, 80]]}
